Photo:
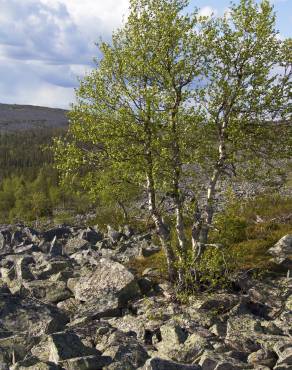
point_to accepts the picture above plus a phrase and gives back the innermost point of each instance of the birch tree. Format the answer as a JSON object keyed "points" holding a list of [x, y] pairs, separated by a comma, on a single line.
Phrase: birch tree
{"points": [[249, 86], [172, 93], [131, 115]]}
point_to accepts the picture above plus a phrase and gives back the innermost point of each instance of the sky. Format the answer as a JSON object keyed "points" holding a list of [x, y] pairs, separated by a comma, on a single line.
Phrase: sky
{"points": [[46, 45]]}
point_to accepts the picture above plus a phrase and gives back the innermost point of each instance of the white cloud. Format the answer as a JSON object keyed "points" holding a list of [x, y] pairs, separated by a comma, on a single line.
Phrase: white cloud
{"points": [[207, 11], [46, 44]]}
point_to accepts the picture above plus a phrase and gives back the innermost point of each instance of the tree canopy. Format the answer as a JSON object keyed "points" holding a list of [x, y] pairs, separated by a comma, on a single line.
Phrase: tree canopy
{"points": [[176, 104]]}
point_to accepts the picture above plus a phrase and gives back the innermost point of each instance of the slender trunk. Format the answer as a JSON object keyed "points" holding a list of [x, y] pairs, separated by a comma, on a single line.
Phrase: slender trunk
{"points": [[176, 163], [123, 208], [162, 230], [201, 226], [196, 231]]}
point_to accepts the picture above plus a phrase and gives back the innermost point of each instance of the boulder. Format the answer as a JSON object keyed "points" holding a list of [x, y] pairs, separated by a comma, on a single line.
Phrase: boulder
{"points": [[124, 350], [243, 333], [114, 235], [282, 252], [108, 278], [157, 363], [48, 291], [87, 256], [211, 360], [56, 232], [65, 345], [148, 250], [22, 267], [33, 363], [56, 248], [263, 357], [15, 347], [25, 315], [74, 245], [86, 363], [107, 306], [284, 352], [90, 235], [26, 249], [2, 241]]}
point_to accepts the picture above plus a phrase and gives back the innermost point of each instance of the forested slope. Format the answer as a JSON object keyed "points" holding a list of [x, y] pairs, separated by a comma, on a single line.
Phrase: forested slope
{"points": [[29, 187], [15, 117]]}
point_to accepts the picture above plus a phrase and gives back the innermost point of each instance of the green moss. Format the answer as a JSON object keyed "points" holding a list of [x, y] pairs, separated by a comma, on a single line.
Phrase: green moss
{"points": [[156, 261], [249, 228]]}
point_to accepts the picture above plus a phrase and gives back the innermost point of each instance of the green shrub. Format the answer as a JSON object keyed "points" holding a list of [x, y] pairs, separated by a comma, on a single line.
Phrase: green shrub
{"points": [[230, 229]]}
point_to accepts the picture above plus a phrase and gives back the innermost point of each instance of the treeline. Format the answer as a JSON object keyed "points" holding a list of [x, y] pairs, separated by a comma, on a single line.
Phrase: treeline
{"points": [[29, 185], [24, 152]]}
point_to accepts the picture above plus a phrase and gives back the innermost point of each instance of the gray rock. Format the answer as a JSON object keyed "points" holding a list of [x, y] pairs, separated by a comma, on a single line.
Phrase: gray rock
{"points": [[48, 291], [22, 267], [56, 232], [74, 245], [126, 352], [26, 249], [91, 235], [263, 357], [107, 306], [285, 356], [108, 277], [15, 347], [243, 332], [157, 363], [211, 360], [25, 315], [64, 346], [173, 334], [87, 256], [2, 241], [114, 235], [149, 250], [86, 363], [56, 249], [33, 363], [282, 252]]}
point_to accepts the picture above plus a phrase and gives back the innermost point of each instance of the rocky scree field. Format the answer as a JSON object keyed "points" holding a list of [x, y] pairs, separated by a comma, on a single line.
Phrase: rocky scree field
{"points": [[69, 301]]}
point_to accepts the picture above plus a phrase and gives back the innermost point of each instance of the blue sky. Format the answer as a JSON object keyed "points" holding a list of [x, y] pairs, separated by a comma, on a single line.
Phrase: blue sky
{"points": [[46, 44]]}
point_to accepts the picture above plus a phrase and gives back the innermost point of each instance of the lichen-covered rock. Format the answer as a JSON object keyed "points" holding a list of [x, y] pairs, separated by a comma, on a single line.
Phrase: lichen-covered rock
{"points": [[263, 357], [91, 235], [124, 350], [282, 252], [74, 245], [33, 363], [211, 360], [86, 363], [284, 352], [25, 315], [108, 278], [48, 291], [157, 363], [243, 331], [64, 346]]}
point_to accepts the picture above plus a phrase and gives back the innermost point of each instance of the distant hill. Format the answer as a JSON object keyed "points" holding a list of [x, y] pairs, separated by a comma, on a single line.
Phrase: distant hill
{"points": [[15, 117]]}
